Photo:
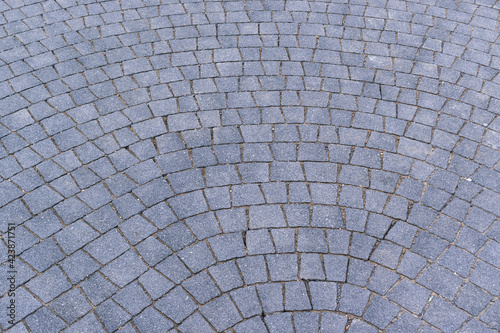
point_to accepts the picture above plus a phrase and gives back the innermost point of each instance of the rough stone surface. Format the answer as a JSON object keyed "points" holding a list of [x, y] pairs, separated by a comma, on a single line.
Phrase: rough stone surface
{"points": [[250, 166]]}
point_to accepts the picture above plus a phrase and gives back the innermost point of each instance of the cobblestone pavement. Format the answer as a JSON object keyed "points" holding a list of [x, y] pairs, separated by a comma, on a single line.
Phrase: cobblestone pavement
{"points": [[250, 166]]}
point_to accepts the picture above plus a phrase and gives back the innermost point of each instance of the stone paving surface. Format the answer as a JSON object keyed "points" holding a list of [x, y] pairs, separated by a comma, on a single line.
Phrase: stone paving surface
{"points": [[251, 166]]}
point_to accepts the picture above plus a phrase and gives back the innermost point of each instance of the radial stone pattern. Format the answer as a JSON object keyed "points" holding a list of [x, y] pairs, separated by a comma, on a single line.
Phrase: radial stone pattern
{"points": [[251, 166]]}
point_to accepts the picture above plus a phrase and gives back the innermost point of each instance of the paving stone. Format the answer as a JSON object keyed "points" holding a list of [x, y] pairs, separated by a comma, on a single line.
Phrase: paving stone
{"points": [[75, 236], [197, 257], [472, 299], [88, 322], [428, 245], [136, 229], [173, 268], [221, 313], [457, 261], [491, 315], [226, 276], [173, 162], [440, 280], [402, 233], [305, 322], [201, 287], [49, 285], [78, 266], [40, 199], [253, 269], [280, 322], [444, 315], [387, 254], [284, 240], [311, 240], [353, 299], [107, 247], [282, 267], [151, 320], [188, 204], [296, 298], [332, 322], [380, 312], [259, 242], [475, 325], [247, 302], [410, 296], [311, 267], [44, 319], [382, 280], [405, 322], [103, 219], [125, 268], [361, 245], [155, 284], [71, 306], [266, 216], [177, 305], [43, 255], [112, 315], [227, 246], [359, 272]]}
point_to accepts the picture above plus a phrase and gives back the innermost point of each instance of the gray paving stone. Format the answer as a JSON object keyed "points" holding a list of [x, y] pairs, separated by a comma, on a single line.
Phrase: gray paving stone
{"points": [[405, 322], [151, 320], [197, 257], [259, 242], [428, 245], [491, 315], [177, 305], [43, 255], [296, 298], [49, 285], [359, 272], [188, 204], [125, 268], [103, 219], [44, 319], [112, 315], [71, 306], [311, 240], [155, 284], [221, 313], [75, 236], [440, 280], [284, 240], [410, 296], [266, 216], [306, 322], [332, 322], [382, 280], [246, 301], [107, 247], [444, 315], [97, 288], [280, 322], [472, 299], [353, 299], [227, 246], [311, 267], [381, 312], [40, 199]]}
